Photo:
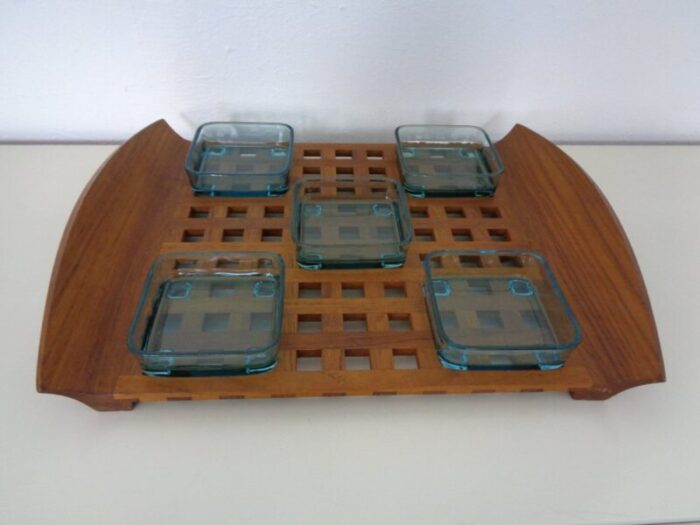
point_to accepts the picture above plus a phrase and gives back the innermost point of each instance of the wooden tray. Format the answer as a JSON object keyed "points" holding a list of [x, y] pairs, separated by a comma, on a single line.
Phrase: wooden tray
{"points": [[139, 204]]}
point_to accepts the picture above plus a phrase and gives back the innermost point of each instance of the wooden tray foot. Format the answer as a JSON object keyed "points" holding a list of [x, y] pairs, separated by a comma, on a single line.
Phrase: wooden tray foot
{"points": [[105, 403], [591, 394]]}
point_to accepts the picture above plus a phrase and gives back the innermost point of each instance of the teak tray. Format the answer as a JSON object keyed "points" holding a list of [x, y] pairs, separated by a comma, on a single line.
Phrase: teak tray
{"points": [[139, 204]]}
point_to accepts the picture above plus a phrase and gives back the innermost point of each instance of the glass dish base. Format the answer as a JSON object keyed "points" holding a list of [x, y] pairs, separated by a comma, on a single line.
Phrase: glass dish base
{"points": [[504, 366], [497, 310], [174, 372], [446, 172], [240, 159], [422, 193], [244, 186], [315, 263], [209, 313], [350, 234]]}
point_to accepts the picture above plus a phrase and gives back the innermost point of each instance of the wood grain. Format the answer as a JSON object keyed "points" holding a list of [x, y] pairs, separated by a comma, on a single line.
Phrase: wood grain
{"points": [[139, 204]]}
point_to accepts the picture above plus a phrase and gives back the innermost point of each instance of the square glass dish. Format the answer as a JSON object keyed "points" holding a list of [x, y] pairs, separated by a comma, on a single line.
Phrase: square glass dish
{"points": [[444, 161], [350, 222], [493, 309], [209, 313], [241, 159]]}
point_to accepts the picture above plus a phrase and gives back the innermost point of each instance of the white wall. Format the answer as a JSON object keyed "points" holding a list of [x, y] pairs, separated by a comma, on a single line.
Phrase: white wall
{"points": [[575, 71]]}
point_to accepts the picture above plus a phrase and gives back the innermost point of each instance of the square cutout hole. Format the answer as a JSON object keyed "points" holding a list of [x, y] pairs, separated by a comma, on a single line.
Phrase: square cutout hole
{"points": [[183, 264], [312, 153], [222, 289], [349, 233], [172, 323], [405, 359], [470, 261], [490, 213], [454, 212], [462, 235], [309, 291], [356, 359], [265, 262], [309, 361], [386, 233], [311, 170], [274, 212], [480, 286], [424, 235], [435, 262], [352, 290], [236, 212], [510, 261], [343, 154], [499, 235], [215, 322], [489, 319], [311, 233], [193, 236], [307, 323], [449, 320], [419, 212], [233, 235], [199, 212], [272, 235], [345, 191], [394, 290], [228, 263], [400, 322], [375, 154], [261, 322], [354, 322], [347, 209]]}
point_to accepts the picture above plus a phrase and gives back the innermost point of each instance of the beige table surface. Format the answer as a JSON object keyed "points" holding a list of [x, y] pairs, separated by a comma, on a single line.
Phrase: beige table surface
{"points": [[527, 458]]}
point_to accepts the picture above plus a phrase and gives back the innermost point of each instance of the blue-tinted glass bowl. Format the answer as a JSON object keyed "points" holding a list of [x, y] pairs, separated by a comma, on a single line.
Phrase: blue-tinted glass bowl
{"points": [[447, 161], [492, 309], [350, 222], [209, 313], [240, 159]]}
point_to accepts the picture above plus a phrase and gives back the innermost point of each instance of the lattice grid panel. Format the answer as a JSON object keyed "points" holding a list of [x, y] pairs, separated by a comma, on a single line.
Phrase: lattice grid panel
{"points": [[351, 330]]}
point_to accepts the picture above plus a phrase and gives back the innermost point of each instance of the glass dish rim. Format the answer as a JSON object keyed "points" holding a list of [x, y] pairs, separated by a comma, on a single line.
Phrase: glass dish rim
{"points": [[430, 296], [277, 325], [189, 168], [497, 157]]}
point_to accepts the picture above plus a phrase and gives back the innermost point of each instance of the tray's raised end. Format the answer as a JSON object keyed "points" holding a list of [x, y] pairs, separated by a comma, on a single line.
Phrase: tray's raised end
{"points": [[113, 231], [566, 216]]}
